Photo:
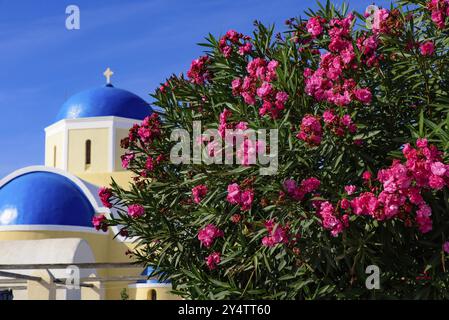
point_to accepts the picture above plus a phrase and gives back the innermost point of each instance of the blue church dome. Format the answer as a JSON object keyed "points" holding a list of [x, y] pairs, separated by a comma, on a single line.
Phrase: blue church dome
{"points": [[105, 101], [44, 198]]}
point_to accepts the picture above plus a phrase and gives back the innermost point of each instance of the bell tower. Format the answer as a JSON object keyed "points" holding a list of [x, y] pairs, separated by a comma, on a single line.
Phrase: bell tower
{"points": [[85, 139]]}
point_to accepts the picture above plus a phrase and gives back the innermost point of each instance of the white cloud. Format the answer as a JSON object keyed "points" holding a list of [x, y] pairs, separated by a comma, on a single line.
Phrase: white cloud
{"points": [[8, 215]]}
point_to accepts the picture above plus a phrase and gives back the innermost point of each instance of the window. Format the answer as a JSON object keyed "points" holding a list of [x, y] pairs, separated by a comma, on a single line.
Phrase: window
{"points": [[152, 295], [88, 152], [54, 156]]}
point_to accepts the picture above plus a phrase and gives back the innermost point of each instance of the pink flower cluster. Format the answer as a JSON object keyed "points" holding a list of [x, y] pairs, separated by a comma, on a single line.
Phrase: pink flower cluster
{"points": [[402, 186], [233, 38], [149, 130], [99, 222], [439, 12], [276, 234], [127, 158], [258, 82], [198, 72], [208, 234], [310, 131], [367, 45], [299, 192], [400, 193], [151, 164], [330, 218], [199, 192], [339, 125], [243, 198], [105, 195], [315, 26], [136, 210], [427, 48], [328, 82], [223, 125], [248, 150], [380, 18], [213, 259]]}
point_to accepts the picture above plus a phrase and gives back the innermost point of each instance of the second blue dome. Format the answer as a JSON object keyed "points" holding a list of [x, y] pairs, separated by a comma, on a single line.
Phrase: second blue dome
{"points": [[105, 101]]}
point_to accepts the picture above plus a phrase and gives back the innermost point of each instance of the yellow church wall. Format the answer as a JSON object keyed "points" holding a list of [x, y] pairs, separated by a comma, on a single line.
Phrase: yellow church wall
{"points": [[145, 293], [119, 135], [56, 140], [104, 179], [77, 151], [104, 248]]}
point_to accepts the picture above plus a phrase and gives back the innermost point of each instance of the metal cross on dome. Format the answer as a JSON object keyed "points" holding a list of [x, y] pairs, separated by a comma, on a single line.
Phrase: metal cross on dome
{"points": [[108, 74]]}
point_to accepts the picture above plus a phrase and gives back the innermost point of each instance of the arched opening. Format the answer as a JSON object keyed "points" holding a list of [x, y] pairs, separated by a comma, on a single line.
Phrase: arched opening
{"points": [[152, 295], [88, 152], [54, 156]]}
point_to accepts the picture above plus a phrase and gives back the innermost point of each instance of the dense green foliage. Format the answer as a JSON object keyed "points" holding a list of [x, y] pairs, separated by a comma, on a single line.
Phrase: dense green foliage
{"points": [[410, 99]]}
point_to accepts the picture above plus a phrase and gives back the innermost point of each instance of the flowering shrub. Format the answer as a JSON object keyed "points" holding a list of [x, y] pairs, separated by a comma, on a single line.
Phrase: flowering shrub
{"points": [[363, 175]]}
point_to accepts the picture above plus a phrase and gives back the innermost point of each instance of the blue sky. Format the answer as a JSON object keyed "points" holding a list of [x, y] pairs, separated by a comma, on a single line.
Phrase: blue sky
{"points": [[144, 42]]}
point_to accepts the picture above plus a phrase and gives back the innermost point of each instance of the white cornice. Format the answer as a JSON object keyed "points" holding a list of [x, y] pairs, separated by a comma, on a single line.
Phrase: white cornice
{"points": [[50, 227], [149, 285], [91, 123]]}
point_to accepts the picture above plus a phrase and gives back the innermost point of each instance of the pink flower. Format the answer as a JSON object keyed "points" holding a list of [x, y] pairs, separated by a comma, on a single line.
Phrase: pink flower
{"points": [[236, 85], [272, 66], [245, 49], [127, 159], [350, 189], [150, 128], [264, 90], [290, 186], [365, 204], [314, 26], [363, 95], [438, 168], [136, 210], [212, 260], [345, 204], [380, 17], [99, 222], [242, 198], [105, 195], [298, 192], [329, 116], [234, 194], [427, 48], [247, 198], [329, 220], [223, 122], [282, 97], [366, 175], [149, 165], [248, 150], [198, 193], [423, 218], [310, 131], [198, 72], [439, 11], [446, 247], [242, 125], [276, 234], [208, 234], [311, 184], [421, 143], [248, 98], [436, 182]]}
